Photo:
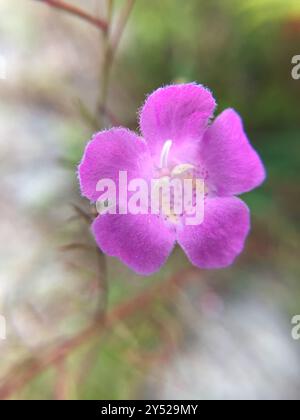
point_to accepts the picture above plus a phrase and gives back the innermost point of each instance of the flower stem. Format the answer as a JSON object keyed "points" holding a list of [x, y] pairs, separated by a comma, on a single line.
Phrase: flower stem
{"points": [[76, 11], [27, 370]]}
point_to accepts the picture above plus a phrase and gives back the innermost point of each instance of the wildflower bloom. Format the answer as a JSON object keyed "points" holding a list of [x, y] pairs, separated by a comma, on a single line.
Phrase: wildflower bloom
{"points": [[176, 135]]}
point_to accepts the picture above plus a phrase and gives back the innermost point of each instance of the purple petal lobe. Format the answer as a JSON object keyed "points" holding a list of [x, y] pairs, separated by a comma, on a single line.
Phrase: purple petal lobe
{"points": [[142, 242], [220, 238], [108, 153], [179, 113], [232, 164]]}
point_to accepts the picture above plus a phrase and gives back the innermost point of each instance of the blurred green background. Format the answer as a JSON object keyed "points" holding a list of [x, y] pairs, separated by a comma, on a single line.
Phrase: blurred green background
{"points": [[221, 334]]}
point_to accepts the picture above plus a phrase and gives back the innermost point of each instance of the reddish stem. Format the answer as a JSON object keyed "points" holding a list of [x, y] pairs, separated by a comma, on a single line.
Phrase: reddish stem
{"points": [[125, 13], [76, 11]]}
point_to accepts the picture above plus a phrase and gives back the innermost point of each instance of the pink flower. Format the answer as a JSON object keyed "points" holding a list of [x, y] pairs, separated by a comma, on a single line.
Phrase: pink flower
{"points": [[175, 127]]}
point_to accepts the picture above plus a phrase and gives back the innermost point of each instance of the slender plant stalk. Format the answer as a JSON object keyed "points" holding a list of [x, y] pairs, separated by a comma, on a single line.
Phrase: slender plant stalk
{"points": [[76, 11], [60, 388], [106, 65], [26, 371]]}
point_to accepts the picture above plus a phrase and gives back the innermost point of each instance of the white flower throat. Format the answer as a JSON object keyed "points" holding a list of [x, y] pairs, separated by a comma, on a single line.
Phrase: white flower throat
{"points": [[177, 170]]}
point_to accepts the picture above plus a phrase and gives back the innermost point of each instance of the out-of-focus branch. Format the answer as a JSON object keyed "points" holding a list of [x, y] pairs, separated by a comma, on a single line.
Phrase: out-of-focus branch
{"points": [[76, 11], [110, 49], [82, 213], [22, 374]]}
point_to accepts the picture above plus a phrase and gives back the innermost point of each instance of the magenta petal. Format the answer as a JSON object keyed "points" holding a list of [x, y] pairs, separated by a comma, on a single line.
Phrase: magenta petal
{"points": [[232, 164], [220, 238], [179, 113], [142, 242], [108, 153]]}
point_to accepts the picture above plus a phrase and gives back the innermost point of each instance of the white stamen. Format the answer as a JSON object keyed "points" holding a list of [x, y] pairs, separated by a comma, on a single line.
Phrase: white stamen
{"points": [[165, 153]]}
